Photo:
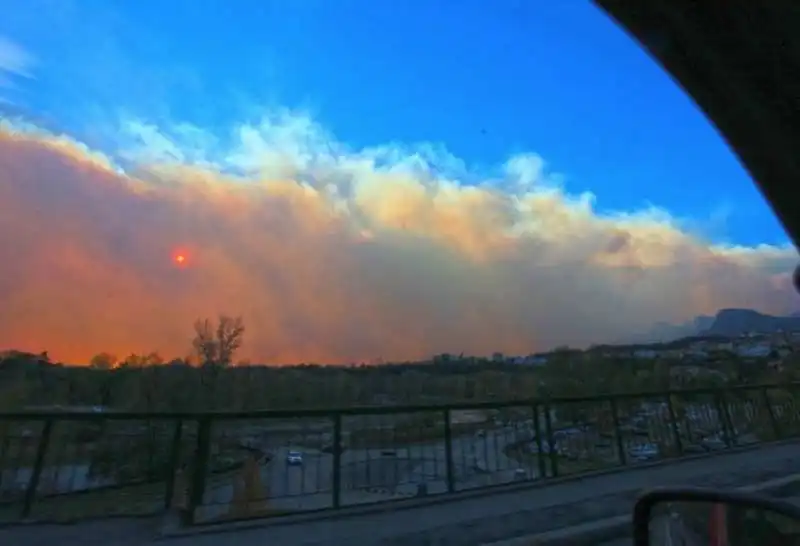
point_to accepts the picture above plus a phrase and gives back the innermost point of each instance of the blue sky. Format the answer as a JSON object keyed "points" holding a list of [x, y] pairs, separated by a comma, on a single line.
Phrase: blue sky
{"points": [[486, 81]]}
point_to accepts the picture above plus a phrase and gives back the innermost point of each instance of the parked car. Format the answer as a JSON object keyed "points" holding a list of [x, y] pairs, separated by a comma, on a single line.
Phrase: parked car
{"points": [[294, 458]]}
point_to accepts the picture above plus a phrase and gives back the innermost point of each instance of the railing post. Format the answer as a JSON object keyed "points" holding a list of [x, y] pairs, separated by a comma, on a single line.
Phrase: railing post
{"points": [[724, 418], [36, 474], [537, 431], [687, 424], [551, 444], [448, 452], [792, 389], [337, 460], [776, 428], [199, 468], [623, 458], [676, 433], [174, 460]]}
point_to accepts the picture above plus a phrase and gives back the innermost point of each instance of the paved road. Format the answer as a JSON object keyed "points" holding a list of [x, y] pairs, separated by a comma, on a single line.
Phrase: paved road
{"points": [[478, 520], [370, 475], [464, 521]]}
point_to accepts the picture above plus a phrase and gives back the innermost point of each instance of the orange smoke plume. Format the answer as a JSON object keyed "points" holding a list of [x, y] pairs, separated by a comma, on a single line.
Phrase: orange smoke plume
{"points": [[332, 255]]}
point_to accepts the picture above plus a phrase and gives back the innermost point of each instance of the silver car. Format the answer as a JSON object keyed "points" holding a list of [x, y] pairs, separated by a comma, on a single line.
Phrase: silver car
{"points": [[294, 458]]}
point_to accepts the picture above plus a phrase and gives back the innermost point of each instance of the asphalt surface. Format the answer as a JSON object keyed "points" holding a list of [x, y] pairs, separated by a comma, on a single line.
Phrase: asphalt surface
{"points": [[463, 515], [461, 520], [466, 516], [370, 475]]}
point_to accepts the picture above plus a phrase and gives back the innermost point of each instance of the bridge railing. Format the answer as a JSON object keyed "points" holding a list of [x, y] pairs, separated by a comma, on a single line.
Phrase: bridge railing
{"points": [[216, 466]]}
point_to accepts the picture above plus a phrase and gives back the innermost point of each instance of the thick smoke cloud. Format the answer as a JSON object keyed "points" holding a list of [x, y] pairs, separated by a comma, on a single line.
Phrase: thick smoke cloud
{"points": [[334, 255]]}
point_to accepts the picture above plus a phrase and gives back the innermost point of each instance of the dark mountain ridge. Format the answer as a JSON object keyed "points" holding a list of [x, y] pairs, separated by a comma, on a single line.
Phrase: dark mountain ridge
{"points": [[736, 322], [726, 323]]}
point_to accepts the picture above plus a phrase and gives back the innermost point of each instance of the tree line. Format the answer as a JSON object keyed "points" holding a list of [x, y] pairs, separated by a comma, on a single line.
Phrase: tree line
{"points": [[212, 379]]}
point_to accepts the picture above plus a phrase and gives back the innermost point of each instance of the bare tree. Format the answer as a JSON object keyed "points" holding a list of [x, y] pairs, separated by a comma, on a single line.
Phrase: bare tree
{"points": [[204, 343], [217, 346], [229, 338]]}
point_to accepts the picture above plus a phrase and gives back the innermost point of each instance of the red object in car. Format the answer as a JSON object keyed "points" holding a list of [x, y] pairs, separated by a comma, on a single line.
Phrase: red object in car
{"points": [[718, 523]]}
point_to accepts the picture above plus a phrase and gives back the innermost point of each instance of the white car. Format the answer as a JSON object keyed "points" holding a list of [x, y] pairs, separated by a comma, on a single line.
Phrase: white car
{"points": [[294, 458]]}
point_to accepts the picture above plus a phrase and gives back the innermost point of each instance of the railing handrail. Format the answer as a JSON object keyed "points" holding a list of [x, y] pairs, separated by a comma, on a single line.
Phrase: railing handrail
{"points": [[33, 415]]}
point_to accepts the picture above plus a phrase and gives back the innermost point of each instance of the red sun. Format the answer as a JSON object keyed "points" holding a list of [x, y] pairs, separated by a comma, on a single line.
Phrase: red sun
{"points": [[180, 258]]}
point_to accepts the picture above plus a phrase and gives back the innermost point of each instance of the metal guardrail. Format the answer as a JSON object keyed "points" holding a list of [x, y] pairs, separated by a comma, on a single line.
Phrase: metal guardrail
{"points": [[219, 466]]}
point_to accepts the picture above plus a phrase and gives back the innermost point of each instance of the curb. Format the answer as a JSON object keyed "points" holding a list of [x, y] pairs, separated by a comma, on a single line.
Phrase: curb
{"points": [[596, 532]]}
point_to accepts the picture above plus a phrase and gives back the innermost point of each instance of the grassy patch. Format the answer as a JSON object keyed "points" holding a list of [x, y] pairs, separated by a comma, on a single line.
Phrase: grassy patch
{"points": [[132, 499], [21, 453], [566, 465]]}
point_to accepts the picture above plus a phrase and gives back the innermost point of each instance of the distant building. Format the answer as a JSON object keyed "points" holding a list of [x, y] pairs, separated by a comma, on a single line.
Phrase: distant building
{"points": [[754, 351], [530, 360], [645, 353]]}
